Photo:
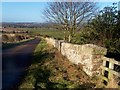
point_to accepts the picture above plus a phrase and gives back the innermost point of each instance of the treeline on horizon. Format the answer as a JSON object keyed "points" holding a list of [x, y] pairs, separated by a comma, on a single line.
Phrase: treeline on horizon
{"points": [[25, 25]]}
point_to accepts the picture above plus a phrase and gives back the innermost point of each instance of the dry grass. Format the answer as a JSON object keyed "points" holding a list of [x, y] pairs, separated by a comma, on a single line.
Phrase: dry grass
{"points": [[52, 70]]}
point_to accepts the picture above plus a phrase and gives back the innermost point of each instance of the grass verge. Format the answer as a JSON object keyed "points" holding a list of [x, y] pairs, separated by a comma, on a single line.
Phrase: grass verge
{"points": [[50, 69], [10, 45]]}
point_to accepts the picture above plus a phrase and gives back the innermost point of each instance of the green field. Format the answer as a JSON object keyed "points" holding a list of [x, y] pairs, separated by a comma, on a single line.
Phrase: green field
{"points": [[58, 34]]}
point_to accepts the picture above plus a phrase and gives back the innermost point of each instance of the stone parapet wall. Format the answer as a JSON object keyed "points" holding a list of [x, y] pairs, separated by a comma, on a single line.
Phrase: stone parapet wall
{"points": [[88, 55], [93, 60]]}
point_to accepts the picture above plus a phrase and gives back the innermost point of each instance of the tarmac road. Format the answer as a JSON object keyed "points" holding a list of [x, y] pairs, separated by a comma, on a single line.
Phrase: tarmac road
{"points": [[15, 61]]}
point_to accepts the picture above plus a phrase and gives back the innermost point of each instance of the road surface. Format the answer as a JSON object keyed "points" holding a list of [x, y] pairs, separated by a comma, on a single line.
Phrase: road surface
{"points": [[15, 61]]}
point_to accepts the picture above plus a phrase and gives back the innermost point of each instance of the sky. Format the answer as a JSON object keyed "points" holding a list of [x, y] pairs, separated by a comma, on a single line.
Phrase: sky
{"points": [[29, 11], [23, 11]]}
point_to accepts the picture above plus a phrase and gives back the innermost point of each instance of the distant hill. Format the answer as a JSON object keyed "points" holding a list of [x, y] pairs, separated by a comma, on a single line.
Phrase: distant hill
{"points": [[24, 25]]}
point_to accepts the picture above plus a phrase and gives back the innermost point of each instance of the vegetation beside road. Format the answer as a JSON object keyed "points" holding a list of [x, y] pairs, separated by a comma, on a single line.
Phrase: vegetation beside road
{"points": [[50, 69], [103, 30], [10, 45]]}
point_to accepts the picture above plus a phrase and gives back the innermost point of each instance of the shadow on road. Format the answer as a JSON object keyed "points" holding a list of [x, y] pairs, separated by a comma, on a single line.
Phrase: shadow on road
{"points": [[15, 62]]}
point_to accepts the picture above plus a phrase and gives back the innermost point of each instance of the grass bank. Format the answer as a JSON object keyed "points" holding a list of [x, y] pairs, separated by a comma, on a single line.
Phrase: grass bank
{"points": [[50, 69], [10, 45]]}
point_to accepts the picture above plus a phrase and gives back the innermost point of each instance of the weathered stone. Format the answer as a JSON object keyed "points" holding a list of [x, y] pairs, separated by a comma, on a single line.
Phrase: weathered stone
{"points": [[97, 49], [90, 57]]}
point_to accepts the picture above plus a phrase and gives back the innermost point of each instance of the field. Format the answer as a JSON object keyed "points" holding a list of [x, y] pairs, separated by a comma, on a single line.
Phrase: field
{"points": [[58, 34]]}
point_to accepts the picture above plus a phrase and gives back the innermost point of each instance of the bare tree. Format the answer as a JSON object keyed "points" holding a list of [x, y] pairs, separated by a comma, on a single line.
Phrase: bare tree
{"points": [[69, 15]]}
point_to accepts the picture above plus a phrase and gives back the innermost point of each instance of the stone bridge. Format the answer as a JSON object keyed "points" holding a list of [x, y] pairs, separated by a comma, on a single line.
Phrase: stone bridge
{"points": [[93, 60]]}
